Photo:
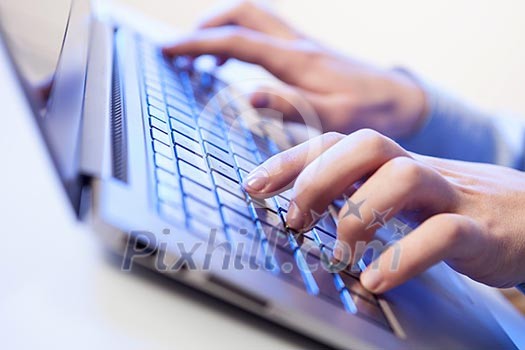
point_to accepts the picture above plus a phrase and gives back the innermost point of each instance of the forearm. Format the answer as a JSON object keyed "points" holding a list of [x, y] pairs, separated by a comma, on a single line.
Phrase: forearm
{"points": [[456, 130]]}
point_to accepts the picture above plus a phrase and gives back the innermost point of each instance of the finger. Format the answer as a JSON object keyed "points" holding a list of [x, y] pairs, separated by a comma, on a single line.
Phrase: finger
{"points": [[250, 16], [442, 237], [401, 184], [279, 171], [359, 154], [292, 103], [243, 44]]}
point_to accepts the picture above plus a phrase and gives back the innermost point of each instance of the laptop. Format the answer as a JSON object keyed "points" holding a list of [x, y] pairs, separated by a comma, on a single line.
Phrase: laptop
{"points": [[152, 155]]}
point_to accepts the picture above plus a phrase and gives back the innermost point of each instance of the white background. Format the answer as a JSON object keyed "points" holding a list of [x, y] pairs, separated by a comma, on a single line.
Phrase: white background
{"points": [[475, 48]]}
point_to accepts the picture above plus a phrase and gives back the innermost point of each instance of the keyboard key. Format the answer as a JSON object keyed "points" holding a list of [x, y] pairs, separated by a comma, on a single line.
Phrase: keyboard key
{"points": [[180, 109], [324, 238], [152, 80], [169, 195], [173, 87], [238, 221], [210, 127], [218, 153], [282, 202], [178, 100], [268, 217], [310, 235], [244, 164], [187, 143], [160, 136], [324, 279], [184, 129], [239, 138], [245, 242], [165, 163], [243, 175], [327, 224], [154, 93], [197, 175], [233, 202], [155, 123], [243, 152], [364, 308], [155, 102], [267, 203], [276, 235], [199, 192], [263, 144], [203, 212], [230, 119], [308, 278], [214, 139], [224, 169], [287, 266], [191, 158], [287, 194], [157, 113], [166, 178], [352, 284], [183, 118], [208, 232], [348, 301], [174, 215], [163, 149], [308, 246], [228, 184], [209, 114]]}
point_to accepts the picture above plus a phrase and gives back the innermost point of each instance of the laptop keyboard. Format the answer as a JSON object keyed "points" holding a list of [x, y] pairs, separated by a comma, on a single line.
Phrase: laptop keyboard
{"points": [[201, 153]]}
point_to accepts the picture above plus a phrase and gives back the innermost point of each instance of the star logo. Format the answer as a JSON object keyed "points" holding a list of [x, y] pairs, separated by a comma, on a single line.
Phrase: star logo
{"points": [[316, 217], [379, 218], [400, 230], [353, 208]]}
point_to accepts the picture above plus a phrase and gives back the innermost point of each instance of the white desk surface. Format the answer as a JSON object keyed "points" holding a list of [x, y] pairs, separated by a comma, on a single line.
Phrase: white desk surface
{"points": [[59, 289]]}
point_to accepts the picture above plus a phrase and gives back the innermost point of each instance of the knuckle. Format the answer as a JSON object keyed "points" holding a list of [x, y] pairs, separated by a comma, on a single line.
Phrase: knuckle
{"points": [[372, 141], [406, 171], [370, 137], [333, 136], [456, 230]]}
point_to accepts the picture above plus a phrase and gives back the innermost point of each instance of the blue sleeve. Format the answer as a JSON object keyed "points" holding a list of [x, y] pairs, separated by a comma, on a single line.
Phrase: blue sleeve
{"points": [[456, 130]]}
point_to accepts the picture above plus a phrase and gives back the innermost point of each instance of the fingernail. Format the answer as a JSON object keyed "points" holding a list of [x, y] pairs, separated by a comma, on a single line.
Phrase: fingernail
{"points": [[371, 279], [256, 180], [260, 100], [295, 219]]}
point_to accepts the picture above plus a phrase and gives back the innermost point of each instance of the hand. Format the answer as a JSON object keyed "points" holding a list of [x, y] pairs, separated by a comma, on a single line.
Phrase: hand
{"points": [[346, 94], [470, 214]]}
